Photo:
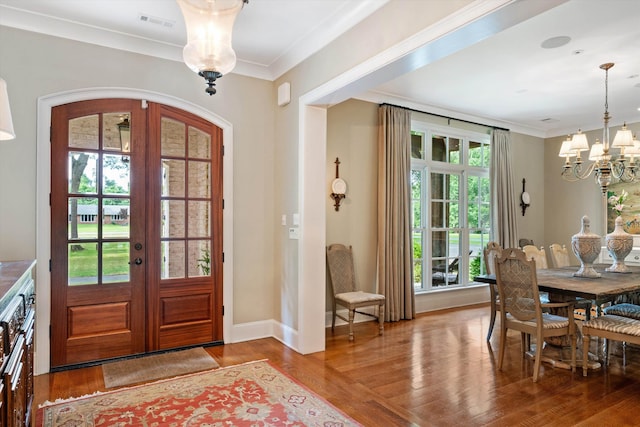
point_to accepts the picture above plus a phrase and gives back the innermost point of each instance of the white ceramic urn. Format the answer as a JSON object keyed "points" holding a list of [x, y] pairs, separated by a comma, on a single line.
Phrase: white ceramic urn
{"points": [[619, 244], [586, 246]]}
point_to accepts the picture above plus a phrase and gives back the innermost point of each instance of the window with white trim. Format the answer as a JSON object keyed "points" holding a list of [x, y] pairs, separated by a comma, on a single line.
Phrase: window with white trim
{"points": [[450, 191]]}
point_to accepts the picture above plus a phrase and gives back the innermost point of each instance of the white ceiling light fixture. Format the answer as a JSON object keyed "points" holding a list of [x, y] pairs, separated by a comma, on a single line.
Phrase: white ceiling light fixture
{"points": [[605, 166], [209, 23], [6, 123]]}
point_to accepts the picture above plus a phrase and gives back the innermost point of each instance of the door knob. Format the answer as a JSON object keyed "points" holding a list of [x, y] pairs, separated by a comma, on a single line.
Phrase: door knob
{"points": [[138, 261]]}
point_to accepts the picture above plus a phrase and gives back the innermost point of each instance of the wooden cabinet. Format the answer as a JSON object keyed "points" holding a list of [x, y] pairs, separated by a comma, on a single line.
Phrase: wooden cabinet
{"points": [[17, 327]]}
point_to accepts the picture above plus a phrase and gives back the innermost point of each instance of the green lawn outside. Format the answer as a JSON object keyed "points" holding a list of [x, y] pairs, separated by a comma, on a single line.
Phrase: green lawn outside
{"points": [[83, 263]]}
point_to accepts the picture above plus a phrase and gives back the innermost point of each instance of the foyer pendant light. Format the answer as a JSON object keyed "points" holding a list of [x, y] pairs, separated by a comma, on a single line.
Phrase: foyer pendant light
{"points": [[209, 23]]}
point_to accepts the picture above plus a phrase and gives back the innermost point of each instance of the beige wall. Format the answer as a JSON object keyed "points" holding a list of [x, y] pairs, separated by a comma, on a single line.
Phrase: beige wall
{"points": [[35, 65], [528, 163], [352, 136], [567, 201]]}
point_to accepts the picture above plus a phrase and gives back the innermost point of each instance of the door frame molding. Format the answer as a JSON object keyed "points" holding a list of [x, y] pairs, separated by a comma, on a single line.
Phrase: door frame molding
{"points": [[43, 189]]}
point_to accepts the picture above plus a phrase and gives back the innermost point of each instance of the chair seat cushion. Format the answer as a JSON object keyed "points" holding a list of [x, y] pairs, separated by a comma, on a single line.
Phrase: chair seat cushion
{"points": [[551, 321], [624, 310], [613, 323], [358, 297]]}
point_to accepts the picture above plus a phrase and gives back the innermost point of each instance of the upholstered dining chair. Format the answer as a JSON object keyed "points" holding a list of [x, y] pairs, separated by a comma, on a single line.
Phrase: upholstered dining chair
{"points": [[522, 310], [559, 255], [492, 252], [539, 255], [343, 289], [524, 242]]}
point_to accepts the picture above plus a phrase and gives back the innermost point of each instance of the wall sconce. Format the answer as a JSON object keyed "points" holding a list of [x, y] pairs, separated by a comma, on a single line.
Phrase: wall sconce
{"points": [[6, 123], [525, 199], [338, 187], [208, 51]]}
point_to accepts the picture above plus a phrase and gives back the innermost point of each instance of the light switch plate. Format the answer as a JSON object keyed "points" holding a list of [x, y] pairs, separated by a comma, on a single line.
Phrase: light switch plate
{"points": [[294, 233]]}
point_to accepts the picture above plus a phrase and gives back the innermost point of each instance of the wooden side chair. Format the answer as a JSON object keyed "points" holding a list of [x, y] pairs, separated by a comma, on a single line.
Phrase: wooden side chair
{"points": [[559, 255], [343, 288], [522, 310], [490, 254], [539, 255]]}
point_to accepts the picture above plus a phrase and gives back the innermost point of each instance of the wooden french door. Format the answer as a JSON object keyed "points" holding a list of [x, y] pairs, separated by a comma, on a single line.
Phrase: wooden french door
{"points": [[136, 211]]}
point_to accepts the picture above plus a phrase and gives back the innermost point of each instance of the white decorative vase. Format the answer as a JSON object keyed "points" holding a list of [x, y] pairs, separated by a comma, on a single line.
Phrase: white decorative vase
{"points": [[586, 247], [619, 244]]}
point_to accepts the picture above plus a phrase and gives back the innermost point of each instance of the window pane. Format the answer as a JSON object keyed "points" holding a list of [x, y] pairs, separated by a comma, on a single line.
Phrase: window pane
{"points": [[115, 262], [485, 216], [475, 153], [475, 266], [472, 195], [83, 173], [172, 134], [453, 187], [83, 132], [417, 273], [173, 215], [455, 146], [199, 258], [83, 264], [199, 179], [173, 178], [416, 201], [115, 173], [115, 218], [437, 214], [199, 218], [438, 188], [83, 218], [416, 145], [173, 253], [115, 131], [446, 149], [453, 216], [199, 144]]}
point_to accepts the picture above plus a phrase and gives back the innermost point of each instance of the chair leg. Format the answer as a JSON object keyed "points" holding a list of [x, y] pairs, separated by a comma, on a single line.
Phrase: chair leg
{"points": [[537, 362], [607, 351], [333, 320], [503, 343], [574, 344], [352, 314], [381, 317], [492, 320], [585, 353], [524, 343]]}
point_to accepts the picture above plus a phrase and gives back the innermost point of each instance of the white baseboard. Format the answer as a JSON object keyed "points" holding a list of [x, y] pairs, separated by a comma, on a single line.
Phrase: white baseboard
{"points": [[432, 301]]}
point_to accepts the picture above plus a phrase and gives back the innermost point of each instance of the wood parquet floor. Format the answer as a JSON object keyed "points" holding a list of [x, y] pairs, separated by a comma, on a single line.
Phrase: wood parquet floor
{"points": [[437, 370]]}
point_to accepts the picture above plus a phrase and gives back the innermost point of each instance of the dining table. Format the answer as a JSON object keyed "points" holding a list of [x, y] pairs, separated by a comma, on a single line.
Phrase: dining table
{"points": [[562, 282], [562, 285]]}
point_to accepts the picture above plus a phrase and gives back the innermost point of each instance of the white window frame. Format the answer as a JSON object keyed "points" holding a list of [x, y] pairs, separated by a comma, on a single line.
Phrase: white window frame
{"points": [[427, 166]]}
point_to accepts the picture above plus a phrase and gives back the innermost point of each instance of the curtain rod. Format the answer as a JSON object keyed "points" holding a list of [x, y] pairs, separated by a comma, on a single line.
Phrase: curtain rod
{"points": [[444, 117]]}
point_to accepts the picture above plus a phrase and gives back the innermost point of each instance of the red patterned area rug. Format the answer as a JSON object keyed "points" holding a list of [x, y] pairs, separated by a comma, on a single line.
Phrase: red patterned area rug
{"points": [[251, 394]]}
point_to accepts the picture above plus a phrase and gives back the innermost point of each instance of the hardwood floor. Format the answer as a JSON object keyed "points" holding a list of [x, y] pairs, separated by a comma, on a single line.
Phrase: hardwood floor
{"points": [[437, 370]]}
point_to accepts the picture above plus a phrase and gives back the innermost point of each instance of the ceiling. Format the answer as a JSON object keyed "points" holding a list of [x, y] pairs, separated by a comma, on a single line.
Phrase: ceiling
{"points": [[507, 79]]}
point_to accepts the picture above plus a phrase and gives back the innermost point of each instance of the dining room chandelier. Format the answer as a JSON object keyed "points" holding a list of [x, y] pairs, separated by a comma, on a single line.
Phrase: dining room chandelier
{"points": [[607, 166], [209, 23]]}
